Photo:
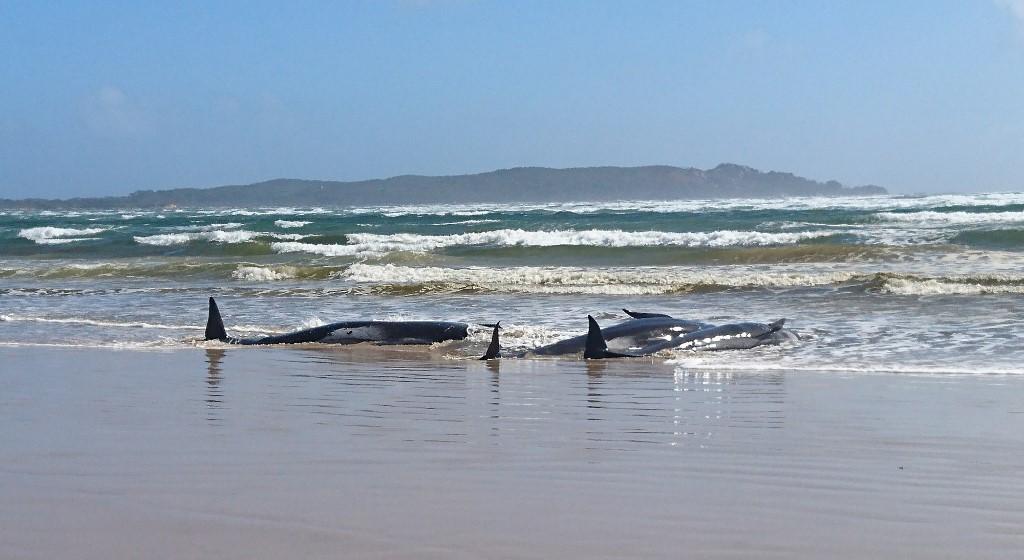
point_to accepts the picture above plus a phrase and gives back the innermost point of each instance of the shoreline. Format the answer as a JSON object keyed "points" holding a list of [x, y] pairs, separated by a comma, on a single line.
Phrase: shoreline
{"points": [[442, 353]]}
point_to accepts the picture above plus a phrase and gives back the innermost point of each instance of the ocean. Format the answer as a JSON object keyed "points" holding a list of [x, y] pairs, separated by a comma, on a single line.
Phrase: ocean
{"points": [[915, 284]]}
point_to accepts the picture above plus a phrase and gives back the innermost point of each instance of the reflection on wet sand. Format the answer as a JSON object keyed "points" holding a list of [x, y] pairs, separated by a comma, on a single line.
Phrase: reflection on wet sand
{"points": [[736, 399], [419, 456], [494, 403], [420, 395], [214, 390]]}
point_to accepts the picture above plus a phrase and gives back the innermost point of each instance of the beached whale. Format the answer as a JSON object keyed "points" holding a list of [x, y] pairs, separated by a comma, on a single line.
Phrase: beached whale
{"points": [[348, 332], [733, 336], [646, 329]]}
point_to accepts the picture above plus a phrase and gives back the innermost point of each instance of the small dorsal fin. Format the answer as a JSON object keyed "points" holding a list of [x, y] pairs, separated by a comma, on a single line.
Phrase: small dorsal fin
{"points": [[639, 315], [494, 348], [214, 324]]}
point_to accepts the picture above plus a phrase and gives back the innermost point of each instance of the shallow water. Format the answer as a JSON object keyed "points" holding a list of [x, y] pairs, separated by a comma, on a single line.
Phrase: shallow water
{"points": [[401, 453], [875, 284]]}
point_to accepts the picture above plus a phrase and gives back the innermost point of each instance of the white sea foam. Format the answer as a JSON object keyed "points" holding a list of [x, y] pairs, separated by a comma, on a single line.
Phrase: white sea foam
{"points": [[63, 240], [371, 243], [723, 363], [243, 328], [289, 236], [206, 227], [213, 236], [93, 322], [663, 280], [623, 281], [279, 211], [467, 222], [327, 250], [53, 235], [931, 218], [869, 203], [948, 286], [311, 322], [161, 344], [290, 224], [216, 236], [263, 274], [600, 238]]}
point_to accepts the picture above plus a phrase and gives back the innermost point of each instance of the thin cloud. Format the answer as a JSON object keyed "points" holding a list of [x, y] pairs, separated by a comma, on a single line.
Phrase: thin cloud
{"points": [[1016, 9], [109, 112]]}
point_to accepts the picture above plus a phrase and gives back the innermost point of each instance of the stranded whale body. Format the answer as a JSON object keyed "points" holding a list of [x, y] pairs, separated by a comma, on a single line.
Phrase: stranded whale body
{"points": [[645, 334], [646, 329], [348, 332], [733, 336]]}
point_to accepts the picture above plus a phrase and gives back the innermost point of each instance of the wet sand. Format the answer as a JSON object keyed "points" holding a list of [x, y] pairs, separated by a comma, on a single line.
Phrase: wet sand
{"points": [[371, 453]]}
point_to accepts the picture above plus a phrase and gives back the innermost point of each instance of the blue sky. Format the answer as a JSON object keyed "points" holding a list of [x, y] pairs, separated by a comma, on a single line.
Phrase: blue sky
{"points": [[106, 98]]}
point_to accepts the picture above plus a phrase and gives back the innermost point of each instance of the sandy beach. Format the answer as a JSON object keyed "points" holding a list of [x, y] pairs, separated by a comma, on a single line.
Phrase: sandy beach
{"points": [[337, 453]]}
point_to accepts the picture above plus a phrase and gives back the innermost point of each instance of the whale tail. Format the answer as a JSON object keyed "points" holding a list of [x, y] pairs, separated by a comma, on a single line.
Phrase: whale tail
{"points": [[494, 348], [214, 324], [597, 348]]}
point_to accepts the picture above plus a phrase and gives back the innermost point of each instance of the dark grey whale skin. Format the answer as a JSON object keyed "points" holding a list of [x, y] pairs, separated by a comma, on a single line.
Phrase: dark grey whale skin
{"points": [[347, 332], [646, 328], [387, 332], [736, 336]]}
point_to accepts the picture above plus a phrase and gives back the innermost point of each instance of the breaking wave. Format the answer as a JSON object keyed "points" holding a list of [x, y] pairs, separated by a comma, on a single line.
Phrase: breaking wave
{"points": [[401, 280], [466, 222], [573, 280], [951, 218], [213, 236], [909, 285], [375, 244], [876, 203], [207, 227], [54, 235], [285, 224], [216, 236], [264, 274]]}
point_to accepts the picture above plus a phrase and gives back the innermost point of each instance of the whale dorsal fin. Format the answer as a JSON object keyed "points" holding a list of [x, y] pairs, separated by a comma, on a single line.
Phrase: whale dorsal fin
{"points": [[494, 348], [597, 348], [638, 315], [214, 324], [596, 345]]}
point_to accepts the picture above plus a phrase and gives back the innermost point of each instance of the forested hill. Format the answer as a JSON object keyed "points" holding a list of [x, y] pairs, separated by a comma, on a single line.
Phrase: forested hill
{"points": [[522, 184]]}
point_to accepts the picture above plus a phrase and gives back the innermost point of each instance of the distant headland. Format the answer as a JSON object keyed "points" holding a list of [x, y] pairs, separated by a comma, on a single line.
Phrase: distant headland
{"points": [[521, 184]]}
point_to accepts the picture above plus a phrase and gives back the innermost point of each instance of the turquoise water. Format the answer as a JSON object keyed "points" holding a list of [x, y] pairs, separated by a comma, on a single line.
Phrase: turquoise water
{"points": [[871, 283]]}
